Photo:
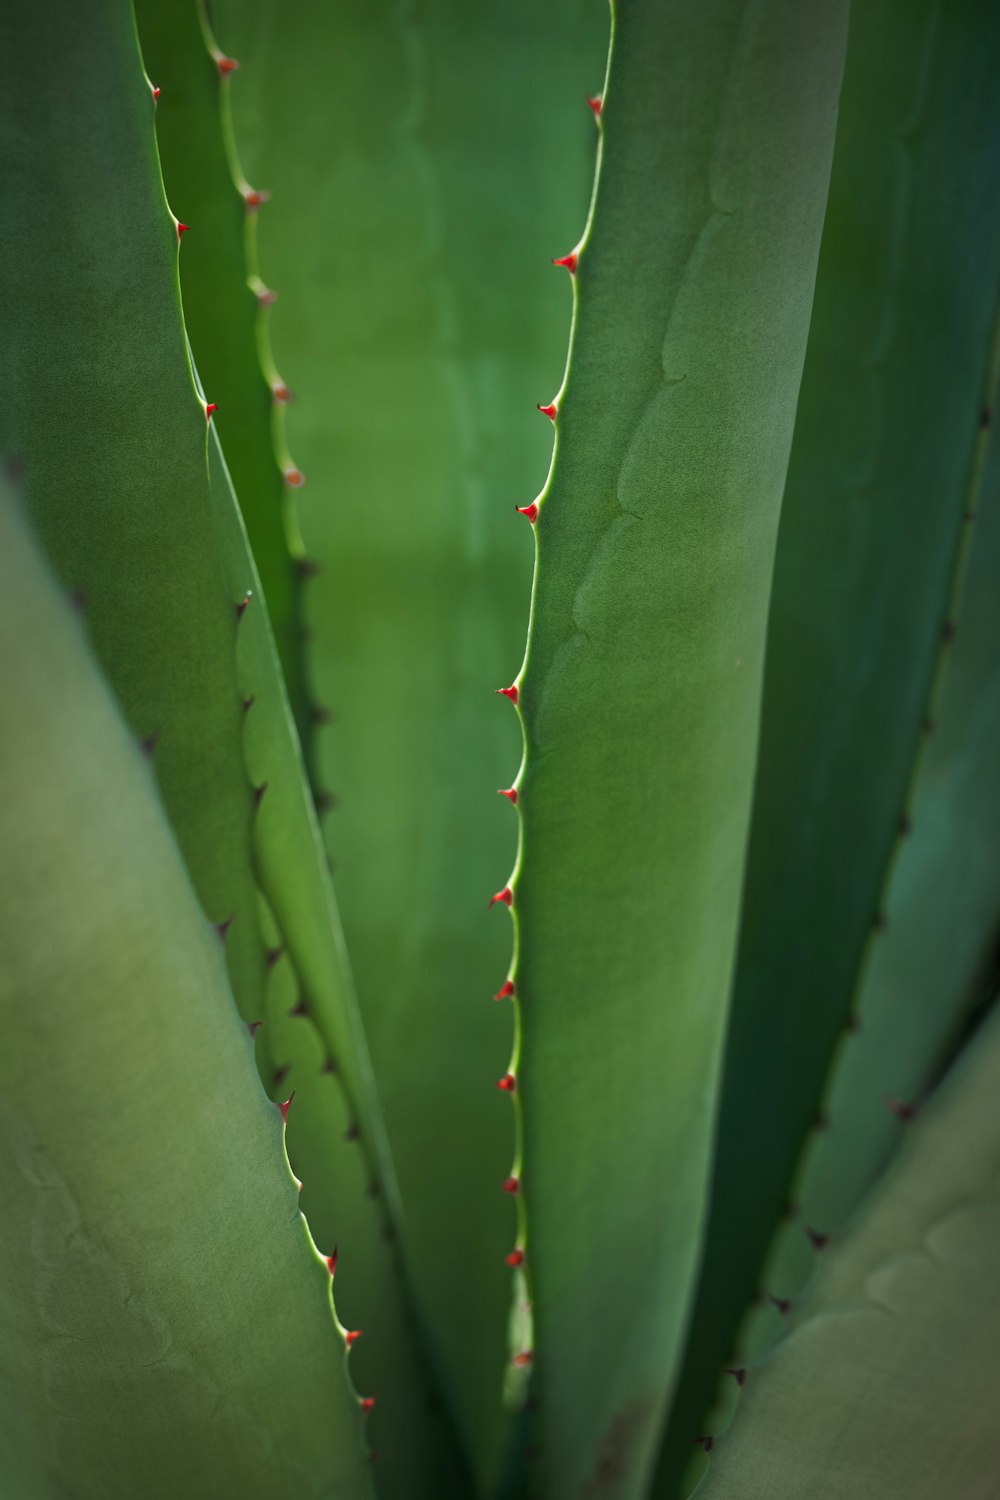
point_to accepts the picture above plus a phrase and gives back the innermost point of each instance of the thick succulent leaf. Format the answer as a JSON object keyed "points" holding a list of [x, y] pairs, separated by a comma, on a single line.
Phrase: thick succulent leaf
{"points": [[165, 1320], [335, 1132], [641, 687], [868, 570], [937, 958], [425, 163], [887, 1384], [224, 306], [136, 512], [97, 398]]}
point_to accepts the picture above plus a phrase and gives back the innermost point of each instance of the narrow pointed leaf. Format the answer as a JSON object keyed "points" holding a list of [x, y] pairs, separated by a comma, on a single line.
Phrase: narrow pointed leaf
{"points": [[224, 308]]}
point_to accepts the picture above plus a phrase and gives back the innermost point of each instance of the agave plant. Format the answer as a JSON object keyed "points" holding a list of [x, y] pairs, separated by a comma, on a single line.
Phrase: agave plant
{"points": [[633, 1133]]}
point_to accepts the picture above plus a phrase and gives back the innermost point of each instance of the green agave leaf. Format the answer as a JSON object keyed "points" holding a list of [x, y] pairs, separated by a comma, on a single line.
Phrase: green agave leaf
{"points": [[165, 1320], [935, 963], [134, 510], [335, 1133], [847, 860], [425, 164], [224, 304], [97, 397], [936, 959], [640, 691], [887, 1384]]}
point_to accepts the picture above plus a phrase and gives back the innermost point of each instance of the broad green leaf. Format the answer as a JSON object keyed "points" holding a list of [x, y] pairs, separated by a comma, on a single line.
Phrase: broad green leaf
{"points": [[641, 687], [425, 164], [887, 1384], [134, 507], [868, 567], [165, 1320]]}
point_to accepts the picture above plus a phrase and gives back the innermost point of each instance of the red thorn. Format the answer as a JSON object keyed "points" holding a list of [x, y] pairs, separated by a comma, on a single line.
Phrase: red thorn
{"points": [[367, 1402], [351, 1336], [295, 478], [515, 1258], [212, 406], [182, 229], [331, 1261], [597, 104], [253, 199], [243, 603], [506, 990], [510, 793], [903, 1112], [706, 1441], [253, 1027], [524, 1358], [508, 1083], [512, 1185], [506, 896], [549, 411], [226, 65], [285, 1106], [817, 1240], [739, 1375], [272, 956], [222, 928], [570, 261], [783, 1304], [531, 511], [510, 693], [156, 95], [302, 1009], [266, 297], [280, 393]]}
